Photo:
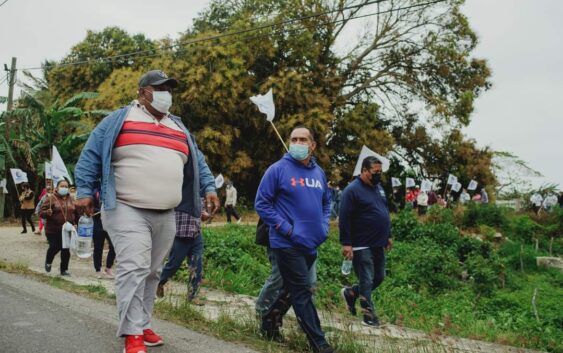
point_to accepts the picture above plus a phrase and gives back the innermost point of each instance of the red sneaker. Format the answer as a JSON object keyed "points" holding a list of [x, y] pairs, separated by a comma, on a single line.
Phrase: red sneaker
{"points": [[134, 344], [151, 338]]}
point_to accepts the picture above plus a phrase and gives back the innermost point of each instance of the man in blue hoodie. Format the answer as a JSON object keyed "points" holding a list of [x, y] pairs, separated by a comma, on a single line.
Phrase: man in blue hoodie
{"points": [[365, 228], [293, 199]]}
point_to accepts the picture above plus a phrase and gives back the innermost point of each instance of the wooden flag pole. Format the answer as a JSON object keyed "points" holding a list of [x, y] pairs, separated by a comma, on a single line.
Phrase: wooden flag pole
{"points": [[277, 133]]}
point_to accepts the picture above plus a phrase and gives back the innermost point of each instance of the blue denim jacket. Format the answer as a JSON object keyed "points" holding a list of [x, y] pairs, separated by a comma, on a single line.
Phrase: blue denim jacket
{"points": [[94, 165]]}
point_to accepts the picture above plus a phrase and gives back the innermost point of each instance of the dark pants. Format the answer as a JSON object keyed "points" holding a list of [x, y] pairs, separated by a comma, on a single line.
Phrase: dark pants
{"points": [[100, 236], [369, 266], [192, 248], [295, 265], [56, 245], [231, 211], [26, 216], [422, 210]]}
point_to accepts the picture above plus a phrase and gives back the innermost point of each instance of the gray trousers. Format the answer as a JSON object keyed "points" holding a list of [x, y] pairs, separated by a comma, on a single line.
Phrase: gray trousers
{"points": [[273, 286], [142, 238]]}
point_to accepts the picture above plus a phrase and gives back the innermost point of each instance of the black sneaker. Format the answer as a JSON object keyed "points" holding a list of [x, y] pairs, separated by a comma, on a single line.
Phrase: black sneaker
{"points": [[65, 273], [349, 300], [47, 267], [371, 321], [23, 231]]}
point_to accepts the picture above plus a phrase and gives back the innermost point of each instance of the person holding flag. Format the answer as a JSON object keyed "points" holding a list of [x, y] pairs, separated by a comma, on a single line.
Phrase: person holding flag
{"points": [[27, 206]]}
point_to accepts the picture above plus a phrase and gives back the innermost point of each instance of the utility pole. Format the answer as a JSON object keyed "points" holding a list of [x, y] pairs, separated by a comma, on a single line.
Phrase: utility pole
{"points": [[11, 84]]}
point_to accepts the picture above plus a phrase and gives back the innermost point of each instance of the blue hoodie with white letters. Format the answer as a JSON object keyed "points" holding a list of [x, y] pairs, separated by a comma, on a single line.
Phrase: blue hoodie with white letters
{"points": [[294, 200]]}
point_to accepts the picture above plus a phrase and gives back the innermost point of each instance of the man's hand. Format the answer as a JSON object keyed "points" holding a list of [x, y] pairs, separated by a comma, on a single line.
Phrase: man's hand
{"points": [[84, 205], [347, 252], [213, 203], [49, 213], [389, 244], [205, 216]]}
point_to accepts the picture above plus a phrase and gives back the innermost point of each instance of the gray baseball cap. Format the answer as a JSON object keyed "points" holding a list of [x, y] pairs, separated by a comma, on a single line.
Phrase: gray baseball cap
{"points": [[155, 78]]}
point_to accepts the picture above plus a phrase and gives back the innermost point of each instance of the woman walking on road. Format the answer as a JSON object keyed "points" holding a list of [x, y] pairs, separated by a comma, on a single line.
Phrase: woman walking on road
{"points": [[58, 209]]}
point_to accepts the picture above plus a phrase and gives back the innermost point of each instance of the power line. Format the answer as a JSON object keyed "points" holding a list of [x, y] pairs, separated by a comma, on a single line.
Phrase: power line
{"points": [[4, 2], [4, 80], [215, 37], [156, 52]]}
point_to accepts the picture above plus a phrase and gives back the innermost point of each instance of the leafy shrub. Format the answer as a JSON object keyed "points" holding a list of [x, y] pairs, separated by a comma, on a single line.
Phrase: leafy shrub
{"points": [[470, 246], [424, 265], [403, 224], [525, 229], [437, 215], [511, 252], [484, 274], [476, 214]]}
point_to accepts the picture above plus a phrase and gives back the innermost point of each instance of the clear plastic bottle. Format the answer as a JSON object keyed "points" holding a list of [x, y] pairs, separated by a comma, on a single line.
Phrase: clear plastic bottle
{"points": [[85, 233], [346, 267]]}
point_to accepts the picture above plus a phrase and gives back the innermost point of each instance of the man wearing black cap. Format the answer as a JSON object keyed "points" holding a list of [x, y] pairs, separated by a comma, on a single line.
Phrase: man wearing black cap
{"points": [[149, 167]]}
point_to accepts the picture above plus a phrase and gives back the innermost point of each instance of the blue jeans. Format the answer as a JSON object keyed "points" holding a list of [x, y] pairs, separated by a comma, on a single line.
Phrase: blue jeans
{"points": [[369, 266], [295, 266], [273, 286], [192, 248]]}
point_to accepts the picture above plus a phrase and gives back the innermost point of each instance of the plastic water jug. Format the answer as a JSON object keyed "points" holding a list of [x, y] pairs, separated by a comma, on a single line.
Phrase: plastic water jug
{"points": [[85, 233], [346, 267]]}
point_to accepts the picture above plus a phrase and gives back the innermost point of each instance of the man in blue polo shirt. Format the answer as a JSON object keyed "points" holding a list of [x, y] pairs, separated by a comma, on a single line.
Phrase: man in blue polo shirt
{"points": [[293, 199], [365, 228]]}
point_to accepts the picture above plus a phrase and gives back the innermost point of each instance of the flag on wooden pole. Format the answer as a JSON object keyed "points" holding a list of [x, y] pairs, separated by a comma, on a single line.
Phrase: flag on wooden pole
{"points": [[395, 182], [472, 185], [409, 183]]}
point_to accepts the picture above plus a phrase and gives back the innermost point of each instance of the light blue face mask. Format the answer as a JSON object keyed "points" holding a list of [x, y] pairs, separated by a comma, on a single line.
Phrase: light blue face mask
{"points": [[298, 151], [63, 191]]}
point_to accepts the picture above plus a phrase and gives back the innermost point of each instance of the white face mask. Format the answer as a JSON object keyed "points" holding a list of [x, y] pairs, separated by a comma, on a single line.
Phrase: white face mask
{"points": [[161, 101]]}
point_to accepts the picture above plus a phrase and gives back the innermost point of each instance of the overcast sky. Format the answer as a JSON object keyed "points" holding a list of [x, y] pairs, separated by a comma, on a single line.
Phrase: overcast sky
{"points": [[521, 39]]}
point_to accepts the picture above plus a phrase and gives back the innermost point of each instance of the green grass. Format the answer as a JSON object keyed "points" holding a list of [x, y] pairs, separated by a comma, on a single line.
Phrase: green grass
{"points": [[424, 289]]}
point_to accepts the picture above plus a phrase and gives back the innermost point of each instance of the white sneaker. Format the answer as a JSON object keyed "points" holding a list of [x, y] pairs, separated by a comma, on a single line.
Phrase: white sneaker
{"points": [[99, 275]]}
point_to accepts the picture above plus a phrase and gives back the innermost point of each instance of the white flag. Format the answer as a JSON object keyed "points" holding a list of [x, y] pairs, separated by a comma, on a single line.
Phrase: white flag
{"points": [[48, 170], [18, 175], [58, 168], [265, 104], [366, 152], [452, 179], [219, 181], [409, 182], [456, 187], [426, 185], [472, 185], [395, 182]]}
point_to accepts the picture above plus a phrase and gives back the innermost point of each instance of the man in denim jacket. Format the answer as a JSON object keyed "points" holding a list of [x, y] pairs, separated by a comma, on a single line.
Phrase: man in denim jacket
{"points": [[148, 165]]}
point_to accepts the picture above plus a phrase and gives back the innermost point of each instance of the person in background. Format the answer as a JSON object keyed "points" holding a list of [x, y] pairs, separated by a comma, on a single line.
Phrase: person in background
{"points": [[27, 207], [422, 202], [441, 202], [99, 237], [231, 202], [47, 190], [58, 209], [188, 243], [432, 199], [365, 233], [484, 196], [464, 197], [410, 198], [72, 192]]}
